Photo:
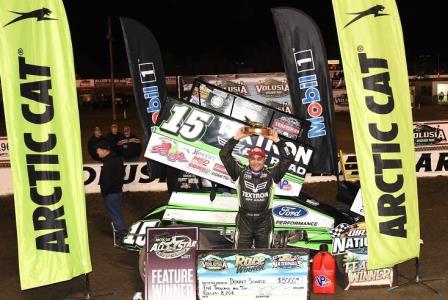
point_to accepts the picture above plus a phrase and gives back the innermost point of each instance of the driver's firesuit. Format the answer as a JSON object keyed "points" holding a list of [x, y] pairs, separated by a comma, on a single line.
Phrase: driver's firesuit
{"points": [[254, 221]]}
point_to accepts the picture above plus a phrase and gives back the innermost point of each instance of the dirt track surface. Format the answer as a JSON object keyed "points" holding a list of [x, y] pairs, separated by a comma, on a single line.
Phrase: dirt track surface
{"points": [[116, 270]]}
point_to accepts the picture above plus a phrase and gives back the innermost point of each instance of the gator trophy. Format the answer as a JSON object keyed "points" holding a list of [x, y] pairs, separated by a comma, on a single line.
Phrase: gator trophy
{"points": [[256, 128]]}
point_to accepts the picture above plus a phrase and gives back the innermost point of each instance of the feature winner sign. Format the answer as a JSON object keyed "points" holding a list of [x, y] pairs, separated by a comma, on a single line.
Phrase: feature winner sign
{"points": [[170, 263], [189, 137], [253, 274], [350, 241]]}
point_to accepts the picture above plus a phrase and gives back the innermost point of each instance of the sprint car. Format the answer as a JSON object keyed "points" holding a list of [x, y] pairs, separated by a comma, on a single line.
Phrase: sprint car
{"points": [[298, 221]]}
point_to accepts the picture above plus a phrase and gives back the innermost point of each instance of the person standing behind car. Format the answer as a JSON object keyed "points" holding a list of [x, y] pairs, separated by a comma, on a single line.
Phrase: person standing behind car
{"points": [[113, 137], [130, 145], [255, 185], [93, 141], [111, 184]]}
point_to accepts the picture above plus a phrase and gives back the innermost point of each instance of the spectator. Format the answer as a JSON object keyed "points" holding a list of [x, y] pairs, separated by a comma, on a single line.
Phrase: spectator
{"points": [[111, 184], [93, 141], [130, 145], [113, 137]]}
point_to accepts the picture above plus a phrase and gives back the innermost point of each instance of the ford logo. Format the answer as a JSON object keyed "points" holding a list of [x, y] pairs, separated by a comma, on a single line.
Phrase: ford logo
{"points": [[287, 211]]}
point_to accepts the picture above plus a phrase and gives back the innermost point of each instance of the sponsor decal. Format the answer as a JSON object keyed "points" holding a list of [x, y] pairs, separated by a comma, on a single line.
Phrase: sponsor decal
{"points": [[255, 189], [200, 164], [289, 127], [296, 223], [239, 87], [150, 89], [348, 237], [271, 87], [168, 246], [213, 263], [322, 280], [387, 156], [220, 168], [41, 14], [425, 134], [50, 226], [170, 150], [287, 261], [284, 185], [289, 212], [374, 10], [246, 264], [309, 84]]}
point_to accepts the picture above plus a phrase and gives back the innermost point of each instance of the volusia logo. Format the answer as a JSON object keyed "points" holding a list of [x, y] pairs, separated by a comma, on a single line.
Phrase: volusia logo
{"points": [[168, 246], [239, 88], [213, 263], [374, 10], [272, 88], [428, 135], [40, 15]]}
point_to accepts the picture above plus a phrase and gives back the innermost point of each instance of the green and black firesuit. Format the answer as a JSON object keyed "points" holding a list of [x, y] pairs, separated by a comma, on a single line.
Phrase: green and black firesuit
{"points": [[254, 221]]}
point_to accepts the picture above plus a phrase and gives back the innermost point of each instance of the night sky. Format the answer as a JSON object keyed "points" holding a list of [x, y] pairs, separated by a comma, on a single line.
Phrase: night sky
{"points": [[216, 37]]}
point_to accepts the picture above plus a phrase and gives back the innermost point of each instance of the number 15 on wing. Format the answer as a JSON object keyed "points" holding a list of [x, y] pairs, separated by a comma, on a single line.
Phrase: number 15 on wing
{"points": [[188, 122]]}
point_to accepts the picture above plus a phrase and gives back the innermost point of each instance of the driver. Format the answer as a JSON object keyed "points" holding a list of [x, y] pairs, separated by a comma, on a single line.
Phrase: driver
{"points": [[255, 188]]}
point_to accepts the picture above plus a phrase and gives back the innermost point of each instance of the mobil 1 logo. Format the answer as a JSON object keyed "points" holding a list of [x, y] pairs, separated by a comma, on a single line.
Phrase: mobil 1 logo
{"points": [[304, 60]]}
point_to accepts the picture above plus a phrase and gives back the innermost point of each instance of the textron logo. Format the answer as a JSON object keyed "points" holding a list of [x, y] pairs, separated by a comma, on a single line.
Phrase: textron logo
{"points": [[39, 14], [254, 188], [308, 82], [147, 72], [374, 10], [304, 61]]}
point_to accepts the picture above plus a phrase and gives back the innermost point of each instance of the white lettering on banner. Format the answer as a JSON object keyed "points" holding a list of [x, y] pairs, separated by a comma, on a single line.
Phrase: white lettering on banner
{"points": [[172, 283], [135, 180]]}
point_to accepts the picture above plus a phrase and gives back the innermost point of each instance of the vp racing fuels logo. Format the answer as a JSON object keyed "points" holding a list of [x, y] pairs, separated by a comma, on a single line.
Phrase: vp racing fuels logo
{"points": [[168, 246], [375, 11], [255, 189], [40, 15]]}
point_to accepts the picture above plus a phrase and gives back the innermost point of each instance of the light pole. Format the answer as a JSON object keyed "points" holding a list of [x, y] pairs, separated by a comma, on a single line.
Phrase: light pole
{"points": [[112, 78]]}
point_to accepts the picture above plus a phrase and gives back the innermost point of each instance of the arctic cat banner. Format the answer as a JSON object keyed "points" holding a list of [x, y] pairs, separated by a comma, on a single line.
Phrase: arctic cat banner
{"points": [[189, 137], [245, 109], [374, 62], [306, 68], [148, 77], [41, 110]]}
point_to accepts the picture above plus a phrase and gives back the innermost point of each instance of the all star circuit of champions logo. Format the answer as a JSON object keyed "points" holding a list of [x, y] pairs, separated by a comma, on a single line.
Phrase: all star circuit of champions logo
{"points": [[167, 246]]}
